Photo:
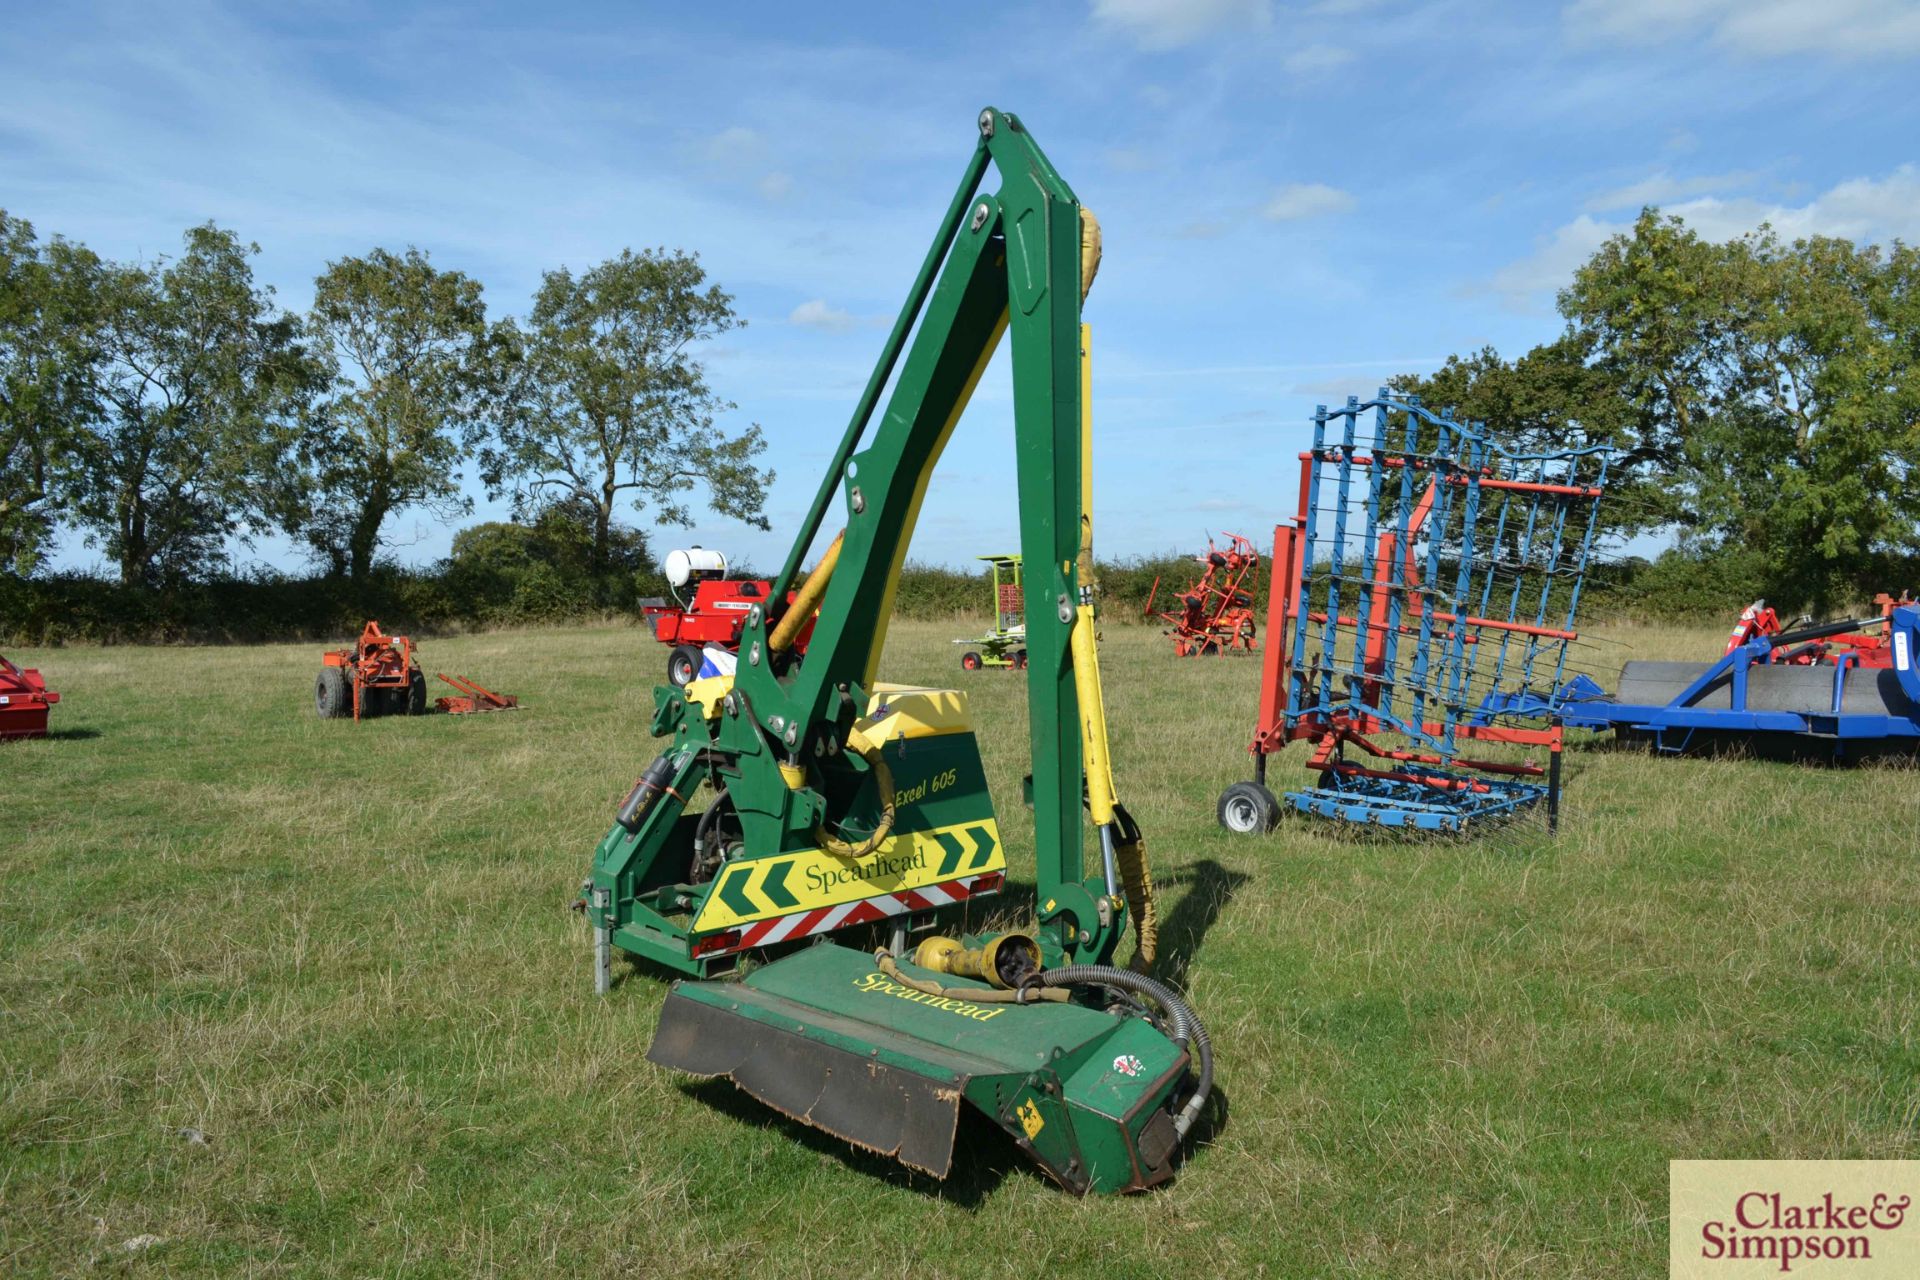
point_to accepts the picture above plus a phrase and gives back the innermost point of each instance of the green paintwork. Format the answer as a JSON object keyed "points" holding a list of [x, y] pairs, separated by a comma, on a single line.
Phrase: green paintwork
{"points": [[1014, 253], [823, 1034], [1061, 1058]]}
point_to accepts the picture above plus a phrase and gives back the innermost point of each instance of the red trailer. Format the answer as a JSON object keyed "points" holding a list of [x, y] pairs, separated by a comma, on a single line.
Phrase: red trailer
{"points": [[715, 616], [24, 699]]}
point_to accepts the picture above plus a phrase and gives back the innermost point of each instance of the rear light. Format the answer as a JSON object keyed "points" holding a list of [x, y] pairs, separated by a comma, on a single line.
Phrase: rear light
{"points": [[716, 944]]}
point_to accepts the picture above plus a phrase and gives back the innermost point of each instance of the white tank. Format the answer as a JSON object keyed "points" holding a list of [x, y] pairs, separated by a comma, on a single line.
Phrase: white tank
{"points": [[682, 567]]}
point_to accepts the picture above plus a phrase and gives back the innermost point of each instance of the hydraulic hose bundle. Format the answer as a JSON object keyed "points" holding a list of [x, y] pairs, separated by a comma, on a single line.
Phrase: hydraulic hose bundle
{"points": [[1184, 1026]]}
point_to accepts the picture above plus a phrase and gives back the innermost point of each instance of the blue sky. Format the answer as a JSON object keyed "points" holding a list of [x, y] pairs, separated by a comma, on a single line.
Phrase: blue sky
{"points": [[1299, 200]]}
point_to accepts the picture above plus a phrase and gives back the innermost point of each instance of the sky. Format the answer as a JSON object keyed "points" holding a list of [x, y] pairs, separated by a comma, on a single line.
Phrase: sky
{"points": [[1299, 200]]}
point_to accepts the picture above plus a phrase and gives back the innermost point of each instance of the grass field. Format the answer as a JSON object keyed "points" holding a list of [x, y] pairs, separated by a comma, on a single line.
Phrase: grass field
{"points": [[343, 957]]}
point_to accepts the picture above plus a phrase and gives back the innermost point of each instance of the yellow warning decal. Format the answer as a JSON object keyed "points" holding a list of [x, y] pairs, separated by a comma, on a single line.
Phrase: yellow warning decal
{"points": [[1030, 1120], [809, 879]]}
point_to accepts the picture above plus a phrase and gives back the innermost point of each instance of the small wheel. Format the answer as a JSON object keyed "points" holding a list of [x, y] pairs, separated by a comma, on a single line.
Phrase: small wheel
{"points": [[417, 694], [970, 661], [332, 699], [1247, 808], [683, 664], [1020, 660]]}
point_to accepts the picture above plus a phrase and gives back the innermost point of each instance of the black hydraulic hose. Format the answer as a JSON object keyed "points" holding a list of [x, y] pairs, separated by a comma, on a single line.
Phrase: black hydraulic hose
{"points": [[1821, 631], [1187, 1028]]}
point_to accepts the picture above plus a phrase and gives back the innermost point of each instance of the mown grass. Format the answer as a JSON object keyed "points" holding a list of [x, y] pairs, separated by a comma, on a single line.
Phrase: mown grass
{"points": [[344, 955]]}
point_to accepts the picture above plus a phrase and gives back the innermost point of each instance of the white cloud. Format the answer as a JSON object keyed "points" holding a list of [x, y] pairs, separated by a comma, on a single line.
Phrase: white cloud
{"points": [[734, 146], [1131, 160], [1664, 188], [776, 186], [1862, 209], [816, 314], [1305, 200], [1551, 266], [1756, 28], [1159, 25], [1315, 59]]}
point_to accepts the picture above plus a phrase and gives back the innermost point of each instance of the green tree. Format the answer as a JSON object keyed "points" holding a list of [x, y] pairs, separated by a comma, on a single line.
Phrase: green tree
{"points": [[1555, 397], [413, 368], [200, 378], [1765, 395], [49, 347], [610, 399], [1782, 378]]}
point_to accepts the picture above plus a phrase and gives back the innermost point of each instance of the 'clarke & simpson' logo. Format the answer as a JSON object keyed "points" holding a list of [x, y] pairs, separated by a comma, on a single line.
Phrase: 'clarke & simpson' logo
{"points": [[1745, 1219], [1766, 1225]]}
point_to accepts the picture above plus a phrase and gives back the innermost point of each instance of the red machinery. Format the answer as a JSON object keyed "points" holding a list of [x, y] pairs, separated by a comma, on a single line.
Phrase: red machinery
{"points": [[24, 699], [1422, 604], [1214, 614], [378, 676], [472, 698], [716, 616], [1864, 648]]}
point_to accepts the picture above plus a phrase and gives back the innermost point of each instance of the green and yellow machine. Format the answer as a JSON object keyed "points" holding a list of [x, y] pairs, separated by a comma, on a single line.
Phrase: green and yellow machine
{"points": [[837, 802], [1005, 643]]}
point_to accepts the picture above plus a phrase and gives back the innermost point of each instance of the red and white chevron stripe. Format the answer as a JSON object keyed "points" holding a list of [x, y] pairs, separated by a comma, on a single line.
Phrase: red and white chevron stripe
{"points": [[802, 924]]}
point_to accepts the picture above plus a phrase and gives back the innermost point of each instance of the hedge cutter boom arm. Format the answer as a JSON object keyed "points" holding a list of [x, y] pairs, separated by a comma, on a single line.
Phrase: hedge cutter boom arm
{"points": [[841, 801]]}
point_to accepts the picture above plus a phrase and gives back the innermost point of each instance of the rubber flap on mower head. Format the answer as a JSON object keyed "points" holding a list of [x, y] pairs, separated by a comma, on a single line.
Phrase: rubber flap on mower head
{"points": [[827, 1039]]}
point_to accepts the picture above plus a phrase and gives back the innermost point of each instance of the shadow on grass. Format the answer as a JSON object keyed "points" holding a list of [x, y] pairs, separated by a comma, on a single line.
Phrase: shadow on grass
{"points": [[1209, 887], [1771, 748], [72, 735]]}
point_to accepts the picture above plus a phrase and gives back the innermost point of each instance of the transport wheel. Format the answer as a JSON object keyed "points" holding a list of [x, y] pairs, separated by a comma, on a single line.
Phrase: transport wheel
{"points": [[1020, 660], [1247, 808], [683, 664], [417, 694], [969, 661], [332, 699]]}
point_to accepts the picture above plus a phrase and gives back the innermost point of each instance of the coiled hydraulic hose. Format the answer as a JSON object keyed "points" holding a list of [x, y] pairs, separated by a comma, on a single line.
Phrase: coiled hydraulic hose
{"points": [[883, 781], [1187, 1029]]}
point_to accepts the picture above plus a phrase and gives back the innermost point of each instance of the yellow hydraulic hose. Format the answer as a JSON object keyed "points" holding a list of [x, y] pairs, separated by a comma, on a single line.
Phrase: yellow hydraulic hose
{"points": [[806, 601], [859, 745], [1129, 845]]}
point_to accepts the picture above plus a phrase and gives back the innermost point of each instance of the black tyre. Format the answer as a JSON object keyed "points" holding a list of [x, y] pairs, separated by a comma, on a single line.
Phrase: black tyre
{"points": [[1020, 660], [969, 661], [683, 664], [417, 694], [1248, 809], [332, 697]]}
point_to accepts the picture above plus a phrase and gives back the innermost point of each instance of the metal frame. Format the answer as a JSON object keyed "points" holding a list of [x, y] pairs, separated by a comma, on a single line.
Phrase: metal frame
{"points": [[1003, 263], [1680, 724], [1436, 576], [1005, 643], [1220, 617]]}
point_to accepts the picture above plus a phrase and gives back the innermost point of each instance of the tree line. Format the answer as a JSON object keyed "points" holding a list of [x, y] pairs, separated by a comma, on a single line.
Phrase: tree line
{"points": [[162, 408], [1764, 395]]}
